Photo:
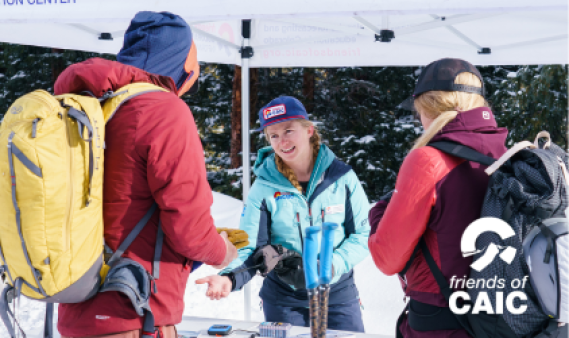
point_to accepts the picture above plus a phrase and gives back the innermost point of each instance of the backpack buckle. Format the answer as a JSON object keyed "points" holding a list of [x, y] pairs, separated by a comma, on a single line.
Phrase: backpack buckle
{"points": [[146, 334], [156, 334]]}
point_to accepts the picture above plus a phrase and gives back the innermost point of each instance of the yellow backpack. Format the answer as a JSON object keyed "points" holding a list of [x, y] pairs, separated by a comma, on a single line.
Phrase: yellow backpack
{"points": [[51, 189]]}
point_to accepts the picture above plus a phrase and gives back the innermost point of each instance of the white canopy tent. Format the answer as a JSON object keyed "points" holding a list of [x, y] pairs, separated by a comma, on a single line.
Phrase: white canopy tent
{"points": [[316, 33]]}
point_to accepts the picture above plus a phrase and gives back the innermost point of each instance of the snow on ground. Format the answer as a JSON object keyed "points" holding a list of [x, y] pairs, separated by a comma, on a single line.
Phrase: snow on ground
{"points": [[381, 296], [31, 316]]}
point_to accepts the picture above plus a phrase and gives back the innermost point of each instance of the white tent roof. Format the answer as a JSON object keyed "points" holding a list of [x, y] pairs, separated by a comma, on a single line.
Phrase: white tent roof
{"points": [[323, 33]]}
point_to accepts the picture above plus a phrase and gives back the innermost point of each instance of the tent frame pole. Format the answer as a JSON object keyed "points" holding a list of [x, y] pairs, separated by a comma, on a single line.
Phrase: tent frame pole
{"points": [[245, 138]]}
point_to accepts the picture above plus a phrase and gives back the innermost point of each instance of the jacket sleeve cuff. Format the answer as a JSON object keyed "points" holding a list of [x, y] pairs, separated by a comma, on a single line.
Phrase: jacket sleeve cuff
{"points": [[243, 275], [231, 276]]}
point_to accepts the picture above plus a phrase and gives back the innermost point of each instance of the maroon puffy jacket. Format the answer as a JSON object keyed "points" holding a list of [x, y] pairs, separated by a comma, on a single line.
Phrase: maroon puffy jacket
{"points": [[437, 196], [153, 153]]}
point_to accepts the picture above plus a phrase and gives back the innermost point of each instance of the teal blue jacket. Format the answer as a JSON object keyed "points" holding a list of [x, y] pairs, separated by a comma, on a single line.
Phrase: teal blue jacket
{"points": [[277, 213]]}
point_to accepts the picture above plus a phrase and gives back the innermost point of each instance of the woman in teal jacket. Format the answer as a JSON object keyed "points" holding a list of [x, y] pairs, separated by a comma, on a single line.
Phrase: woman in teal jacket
{"points": [[300, 183]]}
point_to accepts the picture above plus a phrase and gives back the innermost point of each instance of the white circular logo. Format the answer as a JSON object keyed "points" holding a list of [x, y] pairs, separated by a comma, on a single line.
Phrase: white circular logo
{"points": [[475, 229]]}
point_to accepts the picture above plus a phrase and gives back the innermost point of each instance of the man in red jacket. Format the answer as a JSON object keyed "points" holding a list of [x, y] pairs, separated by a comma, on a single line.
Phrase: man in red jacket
{"points": [[153, 154]]}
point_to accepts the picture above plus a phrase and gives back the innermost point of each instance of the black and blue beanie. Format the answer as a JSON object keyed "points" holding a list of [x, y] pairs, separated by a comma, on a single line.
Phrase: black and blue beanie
{"points": [[158, 43]]}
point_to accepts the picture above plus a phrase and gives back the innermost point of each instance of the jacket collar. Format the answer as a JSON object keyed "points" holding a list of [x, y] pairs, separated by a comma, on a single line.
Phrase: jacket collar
{"points": [[100, 76], [267, 173], [476, 129]]}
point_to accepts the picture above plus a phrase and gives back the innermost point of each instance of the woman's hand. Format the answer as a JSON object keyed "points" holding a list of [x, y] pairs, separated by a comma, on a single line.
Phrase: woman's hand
{"points": [[218, 286]]}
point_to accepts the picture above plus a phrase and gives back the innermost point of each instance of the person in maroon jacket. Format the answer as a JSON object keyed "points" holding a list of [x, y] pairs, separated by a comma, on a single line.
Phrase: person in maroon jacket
{"points": [[436, 195], [153, 153]]}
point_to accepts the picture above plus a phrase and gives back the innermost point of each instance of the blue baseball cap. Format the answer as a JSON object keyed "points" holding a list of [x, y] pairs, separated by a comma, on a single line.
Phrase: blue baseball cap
{"points": [[281, 109]]}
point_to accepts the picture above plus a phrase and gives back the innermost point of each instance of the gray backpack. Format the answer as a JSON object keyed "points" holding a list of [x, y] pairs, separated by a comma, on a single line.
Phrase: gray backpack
{"points": [[528, 190], [546, 250]]}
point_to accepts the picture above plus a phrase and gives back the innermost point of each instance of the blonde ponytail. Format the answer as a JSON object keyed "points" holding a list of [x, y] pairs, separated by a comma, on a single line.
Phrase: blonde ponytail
{"points": [[284, 169], [437, 125], [441, 106]]}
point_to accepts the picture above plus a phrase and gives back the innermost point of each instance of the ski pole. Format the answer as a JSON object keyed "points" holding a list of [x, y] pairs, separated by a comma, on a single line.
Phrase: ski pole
{"points": [[310, 261], [326, 250]]}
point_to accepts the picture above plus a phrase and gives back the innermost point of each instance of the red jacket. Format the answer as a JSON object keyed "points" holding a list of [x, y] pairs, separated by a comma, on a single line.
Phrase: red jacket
{"points": [[437, 196], [153, 153]]}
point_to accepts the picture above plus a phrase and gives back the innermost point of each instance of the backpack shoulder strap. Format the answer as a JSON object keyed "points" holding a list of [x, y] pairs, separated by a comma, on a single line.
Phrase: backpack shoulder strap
{"points": [[134, 233], [113, 101], [511, 152], [468, 322], [461, 151]]}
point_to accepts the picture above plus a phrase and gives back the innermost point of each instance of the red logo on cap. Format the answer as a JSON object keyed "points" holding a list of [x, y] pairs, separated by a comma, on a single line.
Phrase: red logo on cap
{"points": [[270, 112]]}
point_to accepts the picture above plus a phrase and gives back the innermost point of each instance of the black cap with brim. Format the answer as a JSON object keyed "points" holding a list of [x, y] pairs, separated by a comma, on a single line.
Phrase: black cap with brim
{"points": [[440, 75]]}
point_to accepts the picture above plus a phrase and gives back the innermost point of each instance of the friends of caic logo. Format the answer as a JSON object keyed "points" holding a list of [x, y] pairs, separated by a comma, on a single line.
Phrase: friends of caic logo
{"points": [[493, 251]]}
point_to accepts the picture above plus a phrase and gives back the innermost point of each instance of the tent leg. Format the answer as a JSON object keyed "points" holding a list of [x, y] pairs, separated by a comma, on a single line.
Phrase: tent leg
{"points": [[245, 141]]}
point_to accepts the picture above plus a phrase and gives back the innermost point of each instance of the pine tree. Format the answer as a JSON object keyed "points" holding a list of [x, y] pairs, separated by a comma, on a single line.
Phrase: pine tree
{"points": [[356, 108], [361, 121], [24, 69], [211, 107], [532, 99]]}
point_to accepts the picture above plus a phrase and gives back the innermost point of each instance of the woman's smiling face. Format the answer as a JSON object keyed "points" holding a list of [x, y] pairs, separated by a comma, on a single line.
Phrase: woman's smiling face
{"points": [[291, 141]]}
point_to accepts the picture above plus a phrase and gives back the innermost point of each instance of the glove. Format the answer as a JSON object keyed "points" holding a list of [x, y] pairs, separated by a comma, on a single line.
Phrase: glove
{"points": [[268, 257], [237, 237], [291, 271]]}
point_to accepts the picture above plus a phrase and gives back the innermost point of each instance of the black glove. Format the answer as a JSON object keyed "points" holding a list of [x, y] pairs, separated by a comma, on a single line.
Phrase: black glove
{"points": [[290, 270], [268, 257]]}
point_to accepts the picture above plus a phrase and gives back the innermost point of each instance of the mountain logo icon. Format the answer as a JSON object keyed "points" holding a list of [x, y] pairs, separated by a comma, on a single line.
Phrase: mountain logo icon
{"points": [[475, 229]]}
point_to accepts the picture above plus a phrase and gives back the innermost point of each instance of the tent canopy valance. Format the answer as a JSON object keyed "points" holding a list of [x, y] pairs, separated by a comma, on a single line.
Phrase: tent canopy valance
{"points": [[317, 33]]}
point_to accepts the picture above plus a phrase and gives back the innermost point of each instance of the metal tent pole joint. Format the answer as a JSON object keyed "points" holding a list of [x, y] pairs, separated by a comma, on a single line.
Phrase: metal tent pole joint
{"points": [[485, 50], [246, 52], [106, 36], [385, 35]]}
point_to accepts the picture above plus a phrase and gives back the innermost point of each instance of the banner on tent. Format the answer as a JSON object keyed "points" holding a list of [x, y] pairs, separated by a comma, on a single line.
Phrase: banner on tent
{"points": [[36, 2], [218, 41]]}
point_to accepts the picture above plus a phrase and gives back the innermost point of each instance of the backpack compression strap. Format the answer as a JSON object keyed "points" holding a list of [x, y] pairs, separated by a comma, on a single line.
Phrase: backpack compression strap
{"points": [[10, 294], [83, 122]]}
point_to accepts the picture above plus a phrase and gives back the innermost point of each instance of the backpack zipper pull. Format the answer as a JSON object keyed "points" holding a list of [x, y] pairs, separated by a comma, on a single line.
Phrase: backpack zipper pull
{"points": [[34, 127]]}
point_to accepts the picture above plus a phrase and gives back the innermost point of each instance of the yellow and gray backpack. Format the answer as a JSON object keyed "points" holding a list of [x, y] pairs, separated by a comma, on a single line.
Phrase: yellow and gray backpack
{"points": [[51, 190]]}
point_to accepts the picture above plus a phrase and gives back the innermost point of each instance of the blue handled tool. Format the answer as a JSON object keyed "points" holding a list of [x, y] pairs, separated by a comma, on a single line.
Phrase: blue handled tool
{"points": [[310, 261], [326, 251]]}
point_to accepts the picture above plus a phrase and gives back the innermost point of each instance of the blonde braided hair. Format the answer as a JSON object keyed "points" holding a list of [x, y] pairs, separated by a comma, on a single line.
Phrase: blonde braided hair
{"points": [[284, 169]]}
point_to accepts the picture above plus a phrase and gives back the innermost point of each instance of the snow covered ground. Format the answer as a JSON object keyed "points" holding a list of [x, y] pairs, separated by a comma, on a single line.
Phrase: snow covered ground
{"points": [[381, 297]]}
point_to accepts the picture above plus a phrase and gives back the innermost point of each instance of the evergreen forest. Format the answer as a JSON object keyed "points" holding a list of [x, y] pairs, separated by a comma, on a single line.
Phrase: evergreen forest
{"points": [[357, 108]]}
